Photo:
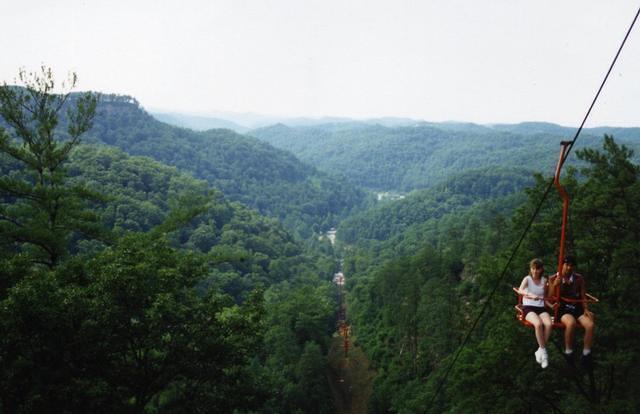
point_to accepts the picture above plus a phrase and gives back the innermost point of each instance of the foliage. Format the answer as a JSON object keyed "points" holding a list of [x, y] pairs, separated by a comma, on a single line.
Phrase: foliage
{"points": [[128, 331]]}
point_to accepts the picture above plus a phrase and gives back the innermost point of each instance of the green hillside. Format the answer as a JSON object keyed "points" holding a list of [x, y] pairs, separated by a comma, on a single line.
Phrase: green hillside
{"points": [[246, 170], [460, 193]]}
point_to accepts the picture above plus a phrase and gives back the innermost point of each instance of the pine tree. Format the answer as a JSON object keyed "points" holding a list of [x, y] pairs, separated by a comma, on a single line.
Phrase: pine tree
{"points": [[39, 210]]}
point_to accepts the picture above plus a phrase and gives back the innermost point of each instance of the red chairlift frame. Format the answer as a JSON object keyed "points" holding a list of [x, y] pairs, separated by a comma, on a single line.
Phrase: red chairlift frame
{"points": [[565, 214]]}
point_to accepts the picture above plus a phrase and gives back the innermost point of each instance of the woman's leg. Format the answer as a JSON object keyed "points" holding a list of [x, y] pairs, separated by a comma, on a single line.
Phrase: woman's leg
{"points": [[546, 322], [537, 325]]}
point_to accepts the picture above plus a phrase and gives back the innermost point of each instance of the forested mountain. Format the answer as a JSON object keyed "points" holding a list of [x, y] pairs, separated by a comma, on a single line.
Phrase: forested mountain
{"points": [[246, 170], [418, 156], [126, 285], [144, 283], [414, 297]]}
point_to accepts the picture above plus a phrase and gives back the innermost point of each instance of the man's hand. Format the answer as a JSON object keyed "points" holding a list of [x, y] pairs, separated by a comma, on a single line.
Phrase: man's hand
{"points": [[588, 314]]}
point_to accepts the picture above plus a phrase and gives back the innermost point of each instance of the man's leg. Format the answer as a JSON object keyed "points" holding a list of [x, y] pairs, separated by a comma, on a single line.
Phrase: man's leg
{"points": [[570, 326]]}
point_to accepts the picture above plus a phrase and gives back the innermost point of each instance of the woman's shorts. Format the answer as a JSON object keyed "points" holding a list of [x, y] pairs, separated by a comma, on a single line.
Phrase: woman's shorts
{"points": [[535, 309]]}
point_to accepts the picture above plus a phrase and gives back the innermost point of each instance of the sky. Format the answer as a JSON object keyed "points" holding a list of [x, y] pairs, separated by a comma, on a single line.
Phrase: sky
{"points": [[483, 61]]}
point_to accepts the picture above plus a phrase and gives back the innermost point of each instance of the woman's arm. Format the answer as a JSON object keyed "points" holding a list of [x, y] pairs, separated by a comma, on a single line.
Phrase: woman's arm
{"points": [[523, 292]]}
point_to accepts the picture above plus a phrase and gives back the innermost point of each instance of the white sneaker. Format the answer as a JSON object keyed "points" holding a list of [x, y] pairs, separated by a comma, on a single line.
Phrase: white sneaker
{"points": [[538, 355], [545, 360]]}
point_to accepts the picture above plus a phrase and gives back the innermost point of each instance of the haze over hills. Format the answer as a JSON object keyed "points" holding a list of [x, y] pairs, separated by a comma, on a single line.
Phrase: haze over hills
{"points": [[243, 122], [198, 123], [239, 122]]}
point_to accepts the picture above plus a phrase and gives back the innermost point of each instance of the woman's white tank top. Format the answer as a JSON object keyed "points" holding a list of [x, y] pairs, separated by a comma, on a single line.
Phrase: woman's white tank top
{"points": [[534, 289]]}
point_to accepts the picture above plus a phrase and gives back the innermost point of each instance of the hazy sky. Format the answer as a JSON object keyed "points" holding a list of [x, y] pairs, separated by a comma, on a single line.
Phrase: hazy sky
{"points": [[475, 60]]}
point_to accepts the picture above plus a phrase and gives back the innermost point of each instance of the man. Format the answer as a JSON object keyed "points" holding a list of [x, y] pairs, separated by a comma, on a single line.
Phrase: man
{"points": [[572, 286]]}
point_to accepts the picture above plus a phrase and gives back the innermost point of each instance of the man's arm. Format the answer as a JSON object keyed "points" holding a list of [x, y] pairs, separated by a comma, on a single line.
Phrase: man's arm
{"points": [[583, 296]]}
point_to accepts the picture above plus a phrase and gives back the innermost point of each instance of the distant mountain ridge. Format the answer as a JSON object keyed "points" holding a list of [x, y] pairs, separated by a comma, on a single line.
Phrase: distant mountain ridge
{"points": [[243, 122], [239, 122], [198, 123], [405, 158]]}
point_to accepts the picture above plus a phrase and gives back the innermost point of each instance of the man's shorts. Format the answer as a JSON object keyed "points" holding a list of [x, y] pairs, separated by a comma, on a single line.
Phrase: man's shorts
{"points": [[574, 309]]}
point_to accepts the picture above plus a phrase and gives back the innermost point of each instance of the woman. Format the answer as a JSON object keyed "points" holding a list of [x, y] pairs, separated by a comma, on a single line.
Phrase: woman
{"points": [[533, 290]]}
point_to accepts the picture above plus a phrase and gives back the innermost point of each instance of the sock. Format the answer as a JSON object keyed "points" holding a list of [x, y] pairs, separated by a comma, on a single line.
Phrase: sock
{"points": [[568, 351], [586, 351]]}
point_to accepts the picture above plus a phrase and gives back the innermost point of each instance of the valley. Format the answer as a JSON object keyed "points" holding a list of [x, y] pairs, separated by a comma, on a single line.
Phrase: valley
{"points": [[213, 264]]}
